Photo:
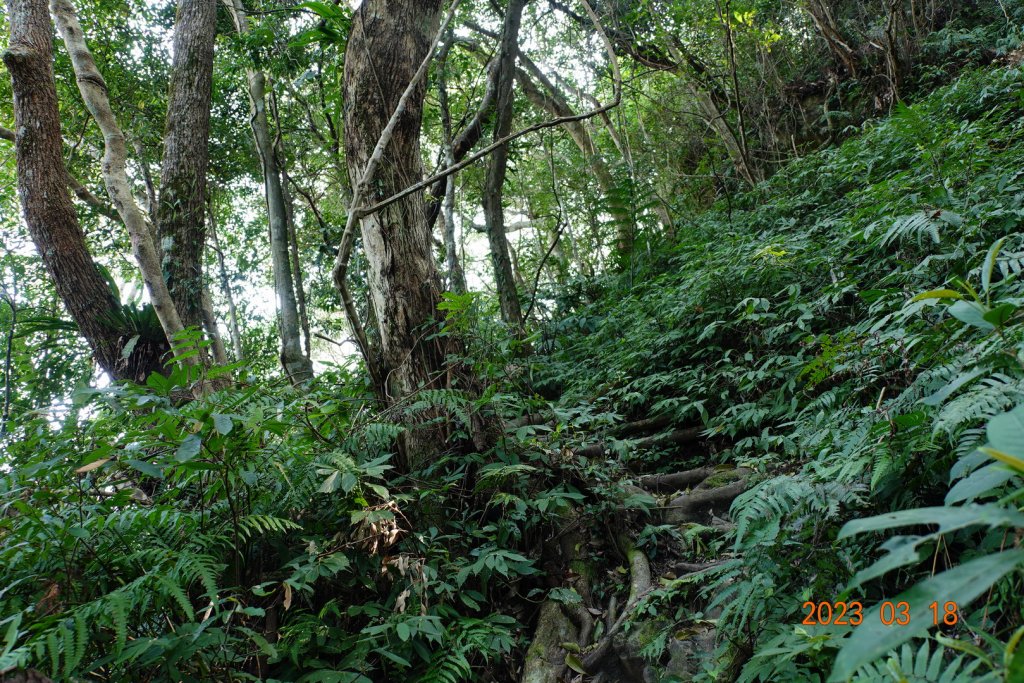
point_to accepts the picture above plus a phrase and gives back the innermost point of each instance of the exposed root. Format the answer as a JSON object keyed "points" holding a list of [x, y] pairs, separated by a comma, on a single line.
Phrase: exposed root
{"points": [[692, 506], [651, 424], [676, 481], [675, 438]]}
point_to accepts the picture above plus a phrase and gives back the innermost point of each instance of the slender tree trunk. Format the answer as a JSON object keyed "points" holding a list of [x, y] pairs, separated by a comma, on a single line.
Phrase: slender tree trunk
{"points": [[494, 212], [294, 360], [182, 218], [546, 96], [281, 161], [456, 276], [233, 326], [220, 355], [42, 185]]}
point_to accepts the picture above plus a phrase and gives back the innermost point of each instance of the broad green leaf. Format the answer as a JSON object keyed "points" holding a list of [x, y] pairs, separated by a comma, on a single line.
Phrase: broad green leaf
{"points": [[972, 313], [147, 468], [872, 639], [222, 423], [189, 448], [1000, 314], [979, 482], [323, 9], [402, 629], [1006, 432], [939, 294], [330, 484]]}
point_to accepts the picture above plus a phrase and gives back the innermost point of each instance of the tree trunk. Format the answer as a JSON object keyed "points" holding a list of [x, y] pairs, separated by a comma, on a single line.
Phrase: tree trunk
{"points": [[294, 360], [182, 220], [456, 276], [281, 160], [233, 326], [899, 48], [42, 185], [389, 41], [494, 212], [220, 354]]}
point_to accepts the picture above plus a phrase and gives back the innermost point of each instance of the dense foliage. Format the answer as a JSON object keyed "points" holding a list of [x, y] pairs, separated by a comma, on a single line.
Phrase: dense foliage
{"points": [[800, 390]]}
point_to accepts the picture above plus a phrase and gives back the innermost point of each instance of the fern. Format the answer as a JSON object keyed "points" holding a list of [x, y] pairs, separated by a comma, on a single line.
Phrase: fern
{"points": [[925, 666]]}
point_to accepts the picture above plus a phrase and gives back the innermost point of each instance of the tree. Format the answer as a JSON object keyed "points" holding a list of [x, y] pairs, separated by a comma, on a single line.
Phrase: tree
{"points": [[494, 210], [295, 362], [390, 40], [181, 213]]}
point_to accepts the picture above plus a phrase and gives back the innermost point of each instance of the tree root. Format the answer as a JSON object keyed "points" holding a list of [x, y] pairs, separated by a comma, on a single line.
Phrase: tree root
{"points": [[559, 625], [676, 481], [674, 438], [545, 660], [692, 506]]}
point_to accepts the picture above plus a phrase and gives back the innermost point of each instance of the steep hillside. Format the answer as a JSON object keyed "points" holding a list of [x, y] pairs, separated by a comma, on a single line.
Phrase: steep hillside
{"points": [[843, 335]]}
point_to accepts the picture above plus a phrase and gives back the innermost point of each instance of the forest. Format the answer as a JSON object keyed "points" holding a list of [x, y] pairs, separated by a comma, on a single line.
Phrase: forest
{"points": [[533, 341]]}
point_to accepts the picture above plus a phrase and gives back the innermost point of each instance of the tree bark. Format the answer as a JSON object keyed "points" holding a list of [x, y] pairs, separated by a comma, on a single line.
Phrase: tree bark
{"points": [[42, 184], [389, 41], [182, 218], [281, 160], [494, 213], [294, 360]]}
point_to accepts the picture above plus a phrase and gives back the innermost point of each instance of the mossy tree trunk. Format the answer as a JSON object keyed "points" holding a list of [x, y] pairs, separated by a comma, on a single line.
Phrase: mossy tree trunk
{"points": [[181, 210]]}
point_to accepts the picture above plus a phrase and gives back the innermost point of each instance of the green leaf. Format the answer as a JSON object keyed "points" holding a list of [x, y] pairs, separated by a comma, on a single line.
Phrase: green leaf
{"points": [[126, 351], [330, 484], [322, 9], [11, 636], [979, 482], [948, 519], [1006, 432], [939, 294], [189, 448], [402, 629], [971, 313], [961, 585], [1000, 314], [990, 264], [147, 468], [222, 423], [574, 663]]}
